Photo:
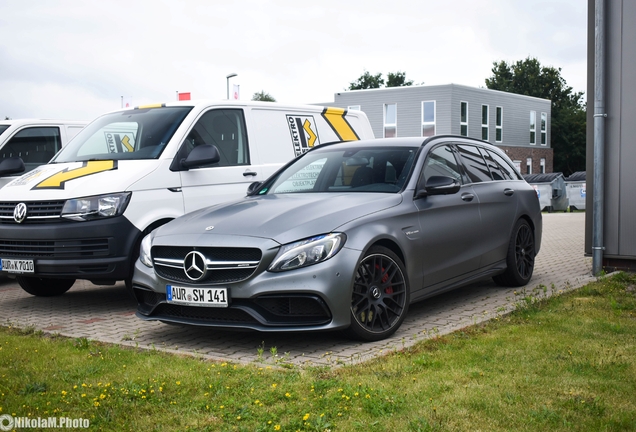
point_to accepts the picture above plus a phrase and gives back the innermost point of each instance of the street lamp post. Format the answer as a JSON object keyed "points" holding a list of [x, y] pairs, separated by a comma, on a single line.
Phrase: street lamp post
{"points": [[228, 84]]}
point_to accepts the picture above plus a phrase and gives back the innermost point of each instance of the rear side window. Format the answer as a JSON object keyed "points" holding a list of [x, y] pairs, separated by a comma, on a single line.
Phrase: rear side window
{"points": [[495, 171], [36, 146], [507, 170], [474, 163]]}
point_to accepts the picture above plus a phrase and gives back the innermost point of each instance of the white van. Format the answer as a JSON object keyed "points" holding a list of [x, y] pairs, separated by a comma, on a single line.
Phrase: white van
{"points": [[34, 141], [83, 215]]}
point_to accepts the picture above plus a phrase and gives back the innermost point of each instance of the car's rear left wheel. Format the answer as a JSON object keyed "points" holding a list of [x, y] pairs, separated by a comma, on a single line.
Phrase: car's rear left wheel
{"points": [[520, 257], [45, 287], [380, 295]]}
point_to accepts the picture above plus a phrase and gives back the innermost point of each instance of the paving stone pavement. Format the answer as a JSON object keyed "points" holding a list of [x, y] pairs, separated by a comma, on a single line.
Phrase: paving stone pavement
{"points": [[107, 314]]}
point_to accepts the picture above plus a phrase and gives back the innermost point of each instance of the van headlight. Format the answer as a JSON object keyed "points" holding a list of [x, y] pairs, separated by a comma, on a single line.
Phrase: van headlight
{"points": [[307, 252], [144, 250], [96, 207]]}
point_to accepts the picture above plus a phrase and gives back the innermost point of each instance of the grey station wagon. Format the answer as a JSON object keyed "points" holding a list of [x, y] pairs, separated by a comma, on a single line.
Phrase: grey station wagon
{"points": [[345, 237]]}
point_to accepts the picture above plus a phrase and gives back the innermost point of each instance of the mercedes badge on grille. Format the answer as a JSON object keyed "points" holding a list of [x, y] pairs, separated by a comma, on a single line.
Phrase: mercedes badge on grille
{"points": [[194, 265]]}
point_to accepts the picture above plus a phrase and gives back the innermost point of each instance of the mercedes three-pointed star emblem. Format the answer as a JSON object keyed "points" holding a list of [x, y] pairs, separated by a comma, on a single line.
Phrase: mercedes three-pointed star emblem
{"points": [[194, 265]]}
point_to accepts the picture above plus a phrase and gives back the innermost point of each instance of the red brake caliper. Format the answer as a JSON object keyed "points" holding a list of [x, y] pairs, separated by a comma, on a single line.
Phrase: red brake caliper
{"points": [[389, 289]]}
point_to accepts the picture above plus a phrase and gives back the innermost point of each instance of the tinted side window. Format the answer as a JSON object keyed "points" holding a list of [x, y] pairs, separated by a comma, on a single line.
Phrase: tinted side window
{"points": [[441, 162], [508, 171], [474, 163], [226, 130], [495, 171], [36, 146]]}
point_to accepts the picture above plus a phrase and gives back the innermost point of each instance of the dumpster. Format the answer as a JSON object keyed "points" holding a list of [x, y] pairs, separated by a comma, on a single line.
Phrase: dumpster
{"points": [[575, 190], [550, 189]]}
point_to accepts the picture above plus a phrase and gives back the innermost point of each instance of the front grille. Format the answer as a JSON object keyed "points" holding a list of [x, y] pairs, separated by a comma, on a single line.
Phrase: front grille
{"points": [[300, 306], [37, 211], [57, 249], [224, 265]]}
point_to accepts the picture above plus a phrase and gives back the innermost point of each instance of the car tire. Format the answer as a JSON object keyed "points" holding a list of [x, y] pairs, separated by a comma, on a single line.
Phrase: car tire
{"points": [[45, 287], [380, 296], [520, 257]]}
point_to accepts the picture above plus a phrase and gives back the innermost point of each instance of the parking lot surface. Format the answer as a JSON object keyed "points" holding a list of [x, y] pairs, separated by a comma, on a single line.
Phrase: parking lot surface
{"points": [[107, 313]]}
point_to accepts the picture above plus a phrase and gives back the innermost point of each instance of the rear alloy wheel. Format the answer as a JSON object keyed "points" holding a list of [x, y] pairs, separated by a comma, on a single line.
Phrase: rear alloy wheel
{"points": [[380, 296], [520, 258], [45, 287]]}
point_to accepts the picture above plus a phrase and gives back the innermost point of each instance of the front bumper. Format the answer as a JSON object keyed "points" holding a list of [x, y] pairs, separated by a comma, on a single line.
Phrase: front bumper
{"points": [[99, 250], [317, 297]]}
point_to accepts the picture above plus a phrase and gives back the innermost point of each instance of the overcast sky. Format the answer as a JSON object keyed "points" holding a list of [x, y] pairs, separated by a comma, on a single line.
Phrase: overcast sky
{"points": [[76, 59]]}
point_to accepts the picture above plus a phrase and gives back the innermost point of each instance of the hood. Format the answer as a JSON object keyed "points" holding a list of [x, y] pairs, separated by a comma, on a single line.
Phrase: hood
{"points": [[76, 179], [283, 218]]}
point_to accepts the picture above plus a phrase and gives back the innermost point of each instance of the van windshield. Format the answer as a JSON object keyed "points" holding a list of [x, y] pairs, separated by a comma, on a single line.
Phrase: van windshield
{"points": [[3, 128], [131, 134]]}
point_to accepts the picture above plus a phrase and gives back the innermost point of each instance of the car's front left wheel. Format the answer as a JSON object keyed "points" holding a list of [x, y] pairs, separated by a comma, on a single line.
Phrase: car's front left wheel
{"points": [[380, 295]]}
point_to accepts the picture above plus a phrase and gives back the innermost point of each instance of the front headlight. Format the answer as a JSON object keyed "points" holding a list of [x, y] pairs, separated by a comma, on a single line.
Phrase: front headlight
{"points": [[307, 252], [96, 207], [144, 250]]}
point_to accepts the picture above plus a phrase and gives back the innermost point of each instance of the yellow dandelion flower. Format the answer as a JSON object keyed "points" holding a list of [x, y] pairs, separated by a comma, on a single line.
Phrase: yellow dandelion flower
{"points": [[277, 427], [305, 417]]}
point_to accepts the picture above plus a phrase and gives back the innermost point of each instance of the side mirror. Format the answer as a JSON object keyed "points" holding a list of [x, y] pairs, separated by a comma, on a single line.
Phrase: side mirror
{"points": [[253, 187], [12, 165], [439, 185], [201, 155]]}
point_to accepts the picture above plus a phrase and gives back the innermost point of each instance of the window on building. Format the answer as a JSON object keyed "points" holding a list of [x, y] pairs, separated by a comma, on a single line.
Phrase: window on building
{"points": [[544, 132], [390, 120], [428, 118], [533, 127], [353, 107], [499, 125], [542, 165], [529, 166], [484, 122], [463, 119]]}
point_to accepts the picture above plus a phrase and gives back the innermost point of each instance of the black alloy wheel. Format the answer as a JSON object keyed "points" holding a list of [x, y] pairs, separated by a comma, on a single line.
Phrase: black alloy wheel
{"points": [[380, 296], [520, 258]]}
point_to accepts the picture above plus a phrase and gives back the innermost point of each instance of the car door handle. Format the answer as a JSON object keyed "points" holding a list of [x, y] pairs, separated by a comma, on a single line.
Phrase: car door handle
{"points": [[468, 196], [509, 192], [249, 173]]}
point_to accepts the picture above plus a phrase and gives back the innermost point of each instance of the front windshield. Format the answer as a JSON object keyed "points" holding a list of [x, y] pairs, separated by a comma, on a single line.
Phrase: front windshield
{"points": [[130, 134], [381, 169], [3, 128]]}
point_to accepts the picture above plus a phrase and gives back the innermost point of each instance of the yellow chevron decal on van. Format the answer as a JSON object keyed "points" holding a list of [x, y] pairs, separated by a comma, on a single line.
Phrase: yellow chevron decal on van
{"points": [[336, 119], [57, 181], [312, 136]]}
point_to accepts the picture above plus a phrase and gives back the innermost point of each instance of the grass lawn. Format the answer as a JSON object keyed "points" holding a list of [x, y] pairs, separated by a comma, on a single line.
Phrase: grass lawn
{"points": [[566, 363]]}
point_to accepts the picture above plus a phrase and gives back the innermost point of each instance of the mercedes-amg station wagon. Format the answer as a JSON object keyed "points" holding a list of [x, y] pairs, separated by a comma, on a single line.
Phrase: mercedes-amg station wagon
{"points": [[345, 237]]}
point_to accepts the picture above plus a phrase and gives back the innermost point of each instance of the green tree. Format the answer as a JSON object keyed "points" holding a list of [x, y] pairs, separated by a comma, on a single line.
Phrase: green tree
{"points": [[568, 120], [397, 79], [367, 81], [263, 96]]}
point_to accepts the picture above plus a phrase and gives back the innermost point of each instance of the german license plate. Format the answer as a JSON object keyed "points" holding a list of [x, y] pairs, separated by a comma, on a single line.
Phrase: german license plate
{"points": [[17, 265], [207, 297]]}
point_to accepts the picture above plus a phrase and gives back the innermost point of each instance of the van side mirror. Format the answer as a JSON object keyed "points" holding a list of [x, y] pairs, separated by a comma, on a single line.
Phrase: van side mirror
{"points": [[439, 185], [12, 165], [200, 155], [253, 187]]}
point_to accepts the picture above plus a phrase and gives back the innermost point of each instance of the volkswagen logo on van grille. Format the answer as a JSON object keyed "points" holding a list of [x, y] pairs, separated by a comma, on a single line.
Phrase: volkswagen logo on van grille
{"points": [[19, 213], [194, 265]]}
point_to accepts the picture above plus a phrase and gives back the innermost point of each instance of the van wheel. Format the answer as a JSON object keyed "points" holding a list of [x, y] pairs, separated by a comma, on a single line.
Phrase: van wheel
{"points": [[380, 296], [520, 257], [45, 287]]}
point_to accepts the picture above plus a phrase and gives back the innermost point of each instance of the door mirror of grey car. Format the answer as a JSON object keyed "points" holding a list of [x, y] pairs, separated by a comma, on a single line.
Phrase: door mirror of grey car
{"points": [[201, 155], [439, 185], [253, 187], [12, 165]]}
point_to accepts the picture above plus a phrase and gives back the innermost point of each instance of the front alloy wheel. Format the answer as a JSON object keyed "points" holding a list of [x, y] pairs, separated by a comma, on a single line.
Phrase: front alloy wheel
{"points": [[380, 295]]}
